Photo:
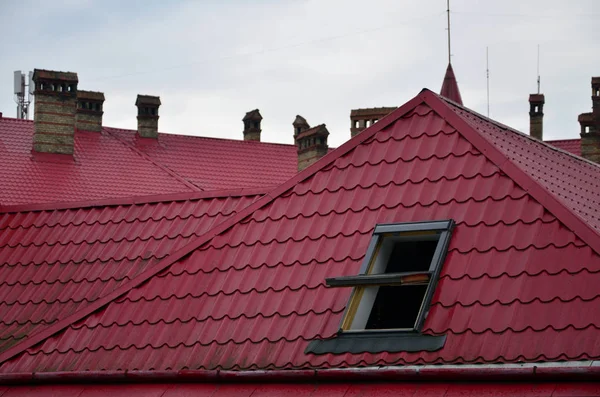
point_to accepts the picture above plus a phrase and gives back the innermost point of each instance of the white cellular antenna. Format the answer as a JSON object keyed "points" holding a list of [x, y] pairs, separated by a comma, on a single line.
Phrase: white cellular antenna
{"points": [[538, 70], [487, 72], [22, 94]]}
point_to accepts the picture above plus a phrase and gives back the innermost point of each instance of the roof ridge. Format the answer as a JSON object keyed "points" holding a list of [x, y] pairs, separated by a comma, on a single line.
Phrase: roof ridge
{"points": [[549, 201], [175, 175], [116, 129], [134, 200], [163, 264]]}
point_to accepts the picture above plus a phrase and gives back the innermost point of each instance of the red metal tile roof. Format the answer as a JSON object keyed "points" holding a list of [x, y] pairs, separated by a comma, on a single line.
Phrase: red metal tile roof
{"points": [[115, 164], [56, 261], [450, 86], [215, 164], [568, 145], [519, 283]]}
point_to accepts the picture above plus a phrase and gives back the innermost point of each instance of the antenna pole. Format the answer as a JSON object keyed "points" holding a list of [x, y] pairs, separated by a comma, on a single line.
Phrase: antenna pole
{"points": [[538, 70], [487, 72], [448, 12]]}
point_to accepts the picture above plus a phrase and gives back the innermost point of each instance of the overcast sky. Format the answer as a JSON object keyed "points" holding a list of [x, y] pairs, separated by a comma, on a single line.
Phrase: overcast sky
{"points": [[211, 61]]}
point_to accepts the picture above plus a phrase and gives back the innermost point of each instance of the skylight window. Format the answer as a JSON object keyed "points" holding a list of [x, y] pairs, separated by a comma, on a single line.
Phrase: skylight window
{"points": [[398, 278]]}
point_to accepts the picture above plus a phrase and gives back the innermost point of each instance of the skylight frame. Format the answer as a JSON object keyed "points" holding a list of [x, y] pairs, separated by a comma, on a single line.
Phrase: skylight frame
{"points": [[431, 230]]}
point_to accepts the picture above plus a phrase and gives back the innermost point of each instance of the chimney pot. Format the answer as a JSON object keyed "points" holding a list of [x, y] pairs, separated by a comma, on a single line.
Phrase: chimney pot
{"points": [[147, 115], [89, 111], [363, 118], [252, 128], [55, 103], [590, 126], [536, 116], [300, 125], [312, 145]]}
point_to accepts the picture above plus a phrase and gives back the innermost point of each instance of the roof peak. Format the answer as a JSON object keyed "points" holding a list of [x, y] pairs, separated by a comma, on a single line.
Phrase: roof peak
{"points": [[450, 86]]}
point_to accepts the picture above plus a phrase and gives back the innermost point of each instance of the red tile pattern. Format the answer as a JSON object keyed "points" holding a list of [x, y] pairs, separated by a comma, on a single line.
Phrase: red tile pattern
{"points": [[102, 167], [215, 164], [575, 182], [568, 145], [254, 296], [55, 262]]}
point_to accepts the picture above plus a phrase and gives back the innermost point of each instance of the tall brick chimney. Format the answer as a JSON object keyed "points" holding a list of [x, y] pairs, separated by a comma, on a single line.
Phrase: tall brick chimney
{"points": [[536, 116], [147, 115], [300, 125], [55, 103], [89, 111], [363, 118], [252, 129], [312, 145], [590, 126]]}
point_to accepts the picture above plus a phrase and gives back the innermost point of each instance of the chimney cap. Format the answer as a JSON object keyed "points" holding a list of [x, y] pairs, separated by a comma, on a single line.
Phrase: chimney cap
{"points": [[147, 100], [93, 95], [319, 130], [596, 80], [54, 75], [383, 111], [300, 120], [536, 98], [252, 115]]}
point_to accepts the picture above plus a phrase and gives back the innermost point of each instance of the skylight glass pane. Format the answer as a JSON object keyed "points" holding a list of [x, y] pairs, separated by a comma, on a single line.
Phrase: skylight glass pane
{"points": [[411, 256], [396, 307]]}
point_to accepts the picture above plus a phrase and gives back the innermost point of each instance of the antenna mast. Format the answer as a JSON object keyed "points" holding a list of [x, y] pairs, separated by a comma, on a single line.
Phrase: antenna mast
{"points": [[23, 93], [448, 11], [487, 72], [538, 70]]}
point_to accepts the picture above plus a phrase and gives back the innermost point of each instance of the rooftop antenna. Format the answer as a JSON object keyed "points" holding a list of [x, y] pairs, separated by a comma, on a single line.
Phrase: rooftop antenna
{"points": [[22, 94], [538, 70], [487, 72], [448, 12]]}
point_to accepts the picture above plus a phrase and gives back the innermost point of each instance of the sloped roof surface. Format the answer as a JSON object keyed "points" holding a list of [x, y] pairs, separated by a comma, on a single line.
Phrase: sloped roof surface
{"points": [[450, 86], [215, 164], [115, 163], [568, 145], [575, 182], [103, 167], [55, 262], [517, 285]]}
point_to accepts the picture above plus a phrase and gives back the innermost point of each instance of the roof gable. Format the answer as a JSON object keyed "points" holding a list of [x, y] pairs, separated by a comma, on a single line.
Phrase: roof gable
{"points": [[250, 293]]}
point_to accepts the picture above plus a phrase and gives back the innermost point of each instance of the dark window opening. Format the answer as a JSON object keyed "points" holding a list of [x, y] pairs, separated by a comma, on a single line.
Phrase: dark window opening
{"points": [[396, 307], [255, 124], [411, 256]]}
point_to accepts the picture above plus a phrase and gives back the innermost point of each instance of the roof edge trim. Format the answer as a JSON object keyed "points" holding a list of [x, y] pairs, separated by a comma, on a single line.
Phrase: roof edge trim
{"points": [[218, 229], [150, 199], [553, 372], [584, 231]]}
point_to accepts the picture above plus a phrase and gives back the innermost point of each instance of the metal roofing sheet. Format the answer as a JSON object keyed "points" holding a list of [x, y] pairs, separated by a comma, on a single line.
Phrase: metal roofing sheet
{"points": [[254, 295], [55, 262]]}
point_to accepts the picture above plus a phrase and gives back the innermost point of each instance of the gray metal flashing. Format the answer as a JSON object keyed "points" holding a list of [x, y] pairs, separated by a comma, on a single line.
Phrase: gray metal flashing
{"points": [[376, 342]]}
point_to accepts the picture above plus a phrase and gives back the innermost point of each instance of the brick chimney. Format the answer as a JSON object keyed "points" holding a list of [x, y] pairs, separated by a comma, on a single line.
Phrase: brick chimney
{"points": [[536, 116], [312, 145], [363, 118], [89, 111], [55, 104], [147, 115], [300, 125], [590, 126], [252, 129]]}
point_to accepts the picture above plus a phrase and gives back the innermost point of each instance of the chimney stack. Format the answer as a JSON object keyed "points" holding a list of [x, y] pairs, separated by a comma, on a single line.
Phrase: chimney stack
{"points": [[312, 145], [363, 118], [590, 126], [252, 129], [300, 125], [55, 104], [147, 115], [536, 116], [89, 111]]}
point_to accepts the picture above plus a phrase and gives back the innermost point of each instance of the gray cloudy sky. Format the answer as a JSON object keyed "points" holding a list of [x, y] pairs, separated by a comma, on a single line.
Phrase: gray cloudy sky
{"points": [[211, 61]]}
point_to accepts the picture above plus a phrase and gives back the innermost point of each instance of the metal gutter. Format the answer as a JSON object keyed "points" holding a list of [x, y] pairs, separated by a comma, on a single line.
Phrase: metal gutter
{"points": [[568, 371]]}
